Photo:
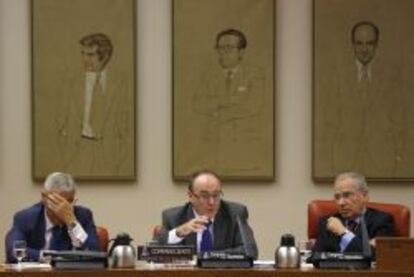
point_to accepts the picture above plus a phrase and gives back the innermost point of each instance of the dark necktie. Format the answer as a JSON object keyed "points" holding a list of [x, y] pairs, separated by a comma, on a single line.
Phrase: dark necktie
{"points": [[351, 225], [229, 79], [60, 239], [206, 244]]}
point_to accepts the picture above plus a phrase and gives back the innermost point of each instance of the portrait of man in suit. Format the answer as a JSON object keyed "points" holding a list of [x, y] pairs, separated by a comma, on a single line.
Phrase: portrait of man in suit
{"points": [[96, 51], [230, 99], [84, 89], [223, 100], [360, 117]]}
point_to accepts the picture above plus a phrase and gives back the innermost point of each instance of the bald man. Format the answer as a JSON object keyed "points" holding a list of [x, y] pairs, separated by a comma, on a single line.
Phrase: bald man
{"points": [[207, 217]]}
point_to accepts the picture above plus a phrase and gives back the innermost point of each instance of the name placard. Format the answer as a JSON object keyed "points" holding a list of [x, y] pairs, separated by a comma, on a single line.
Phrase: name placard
{"points": [[166, 253]]}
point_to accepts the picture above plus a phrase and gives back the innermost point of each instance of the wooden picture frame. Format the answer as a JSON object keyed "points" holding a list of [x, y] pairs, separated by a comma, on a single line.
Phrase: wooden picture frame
{"points": [[362, 89], [223, 88], [83, 88]]}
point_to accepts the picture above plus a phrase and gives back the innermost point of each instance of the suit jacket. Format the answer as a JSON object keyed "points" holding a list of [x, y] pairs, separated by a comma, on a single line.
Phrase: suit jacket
{"points": [[378, 224], [30, 225], [226, 233], [229, 122]]}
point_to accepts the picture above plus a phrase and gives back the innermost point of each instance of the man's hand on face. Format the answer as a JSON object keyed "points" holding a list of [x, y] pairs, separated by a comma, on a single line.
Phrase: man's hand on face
{"points": [[335, 226], [192, 226], [60, 207]]}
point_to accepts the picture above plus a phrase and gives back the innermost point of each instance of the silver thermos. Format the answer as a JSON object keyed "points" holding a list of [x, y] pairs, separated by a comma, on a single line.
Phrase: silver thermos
{"points": [[122, 253], [287, 254]]}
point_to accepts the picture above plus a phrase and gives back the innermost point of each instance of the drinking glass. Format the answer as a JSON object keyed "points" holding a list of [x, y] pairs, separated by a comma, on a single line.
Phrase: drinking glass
{"points": [[19, 250], [305, 249]]}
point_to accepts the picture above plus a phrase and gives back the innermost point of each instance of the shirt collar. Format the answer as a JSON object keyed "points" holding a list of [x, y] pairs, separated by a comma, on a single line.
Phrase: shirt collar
{"points": [[358, 218], [91, 76], [362, 69], [49, 224], [231, 71], [197, 215]]}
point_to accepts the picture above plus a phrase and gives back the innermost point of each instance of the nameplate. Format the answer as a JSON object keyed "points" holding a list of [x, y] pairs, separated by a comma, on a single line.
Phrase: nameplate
{"points": [[395, 254], [224, 260], [166, 253]]}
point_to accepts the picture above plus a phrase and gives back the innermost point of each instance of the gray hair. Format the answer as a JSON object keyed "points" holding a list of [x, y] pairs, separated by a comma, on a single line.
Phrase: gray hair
{"points": [[60, 181], [359, 180]]}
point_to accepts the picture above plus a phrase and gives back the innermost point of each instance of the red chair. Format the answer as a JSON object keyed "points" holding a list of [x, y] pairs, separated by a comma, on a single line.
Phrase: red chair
{"points": [[320, 208], [103, 237], [156, 231]]}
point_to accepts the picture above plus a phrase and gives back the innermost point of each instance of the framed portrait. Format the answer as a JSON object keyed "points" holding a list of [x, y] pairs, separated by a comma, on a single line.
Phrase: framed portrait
{"points": [[363, 89], [83, 88], [223, 88]]}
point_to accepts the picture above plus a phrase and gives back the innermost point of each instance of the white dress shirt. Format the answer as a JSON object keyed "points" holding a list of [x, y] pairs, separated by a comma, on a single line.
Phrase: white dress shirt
{"points": [[174, 239], [77, 234]]}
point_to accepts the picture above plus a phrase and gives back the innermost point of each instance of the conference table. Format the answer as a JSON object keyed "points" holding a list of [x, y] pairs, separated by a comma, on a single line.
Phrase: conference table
{"points": [[171, 271]]}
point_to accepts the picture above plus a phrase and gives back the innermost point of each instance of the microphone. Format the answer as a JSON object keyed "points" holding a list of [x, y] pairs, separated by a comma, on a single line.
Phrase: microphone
{"points": [[231, 259], [249, 246], [366, 248]]}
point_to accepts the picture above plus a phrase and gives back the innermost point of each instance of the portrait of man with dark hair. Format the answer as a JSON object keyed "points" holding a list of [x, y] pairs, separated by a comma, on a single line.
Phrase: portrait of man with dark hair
{"points": [[358, 108]]}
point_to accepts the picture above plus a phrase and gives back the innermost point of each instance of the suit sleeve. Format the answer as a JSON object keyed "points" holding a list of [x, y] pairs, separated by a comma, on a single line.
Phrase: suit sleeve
{"points": [[18, 232], [162, 236], [88, 224], [326, 241]]}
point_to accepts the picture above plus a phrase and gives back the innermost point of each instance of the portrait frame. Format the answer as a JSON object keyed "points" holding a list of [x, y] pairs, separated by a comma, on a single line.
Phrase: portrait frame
{"points": [[228, 129], [84, 89], [361, 90]]}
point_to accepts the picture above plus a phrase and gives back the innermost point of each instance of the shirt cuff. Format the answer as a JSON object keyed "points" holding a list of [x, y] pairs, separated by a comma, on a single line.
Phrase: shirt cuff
{"points": [[77, 235], [346, 238], [173, 238]]}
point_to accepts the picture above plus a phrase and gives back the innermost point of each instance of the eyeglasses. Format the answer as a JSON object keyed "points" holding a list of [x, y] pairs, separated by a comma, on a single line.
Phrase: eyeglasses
{"points": [[226, 47], [205, 196]]}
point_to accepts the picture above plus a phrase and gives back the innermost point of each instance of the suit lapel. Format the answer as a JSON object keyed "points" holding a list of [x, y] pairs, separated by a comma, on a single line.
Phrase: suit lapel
{"points": [[368, 221], [219, 228], [38, 234]]}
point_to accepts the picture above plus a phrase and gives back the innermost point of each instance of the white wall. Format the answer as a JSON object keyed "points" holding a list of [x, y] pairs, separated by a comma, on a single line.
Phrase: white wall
{"points": [[275, 208]]}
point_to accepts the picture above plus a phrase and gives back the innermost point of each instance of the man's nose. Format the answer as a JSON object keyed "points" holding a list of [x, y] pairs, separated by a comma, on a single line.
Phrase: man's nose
{"points": [[365, 47], [211, 201]]}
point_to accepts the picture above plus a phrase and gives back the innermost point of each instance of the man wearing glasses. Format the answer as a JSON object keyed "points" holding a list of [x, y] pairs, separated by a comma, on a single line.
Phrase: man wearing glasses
{"points": [[55, 223], [230, 104], [341, 232], [207, 221]]}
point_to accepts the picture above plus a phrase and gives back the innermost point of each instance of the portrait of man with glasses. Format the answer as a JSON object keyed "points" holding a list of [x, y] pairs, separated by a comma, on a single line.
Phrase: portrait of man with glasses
{"points": [[230, 104], [206, 221]]}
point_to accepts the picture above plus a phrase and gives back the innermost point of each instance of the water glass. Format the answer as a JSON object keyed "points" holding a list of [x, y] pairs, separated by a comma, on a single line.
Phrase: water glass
{"points": [[19, 250], [305, 249]]}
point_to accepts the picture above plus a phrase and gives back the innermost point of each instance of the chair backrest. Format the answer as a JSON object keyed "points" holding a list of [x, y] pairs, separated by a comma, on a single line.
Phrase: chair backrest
{"points": [[103, 237], [156, 231], [320, 208]]}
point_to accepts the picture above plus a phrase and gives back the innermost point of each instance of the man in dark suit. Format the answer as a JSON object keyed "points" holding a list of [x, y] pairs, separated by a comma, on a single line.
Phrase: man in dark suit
{"points": [[341, 232], [55, 223], [206, 221]]}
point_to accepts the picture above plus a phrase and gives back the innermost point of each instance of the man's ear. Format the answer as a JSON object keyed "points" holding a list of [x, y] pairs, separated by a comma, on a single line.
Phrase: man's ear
{"points": [[366, 197]]}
